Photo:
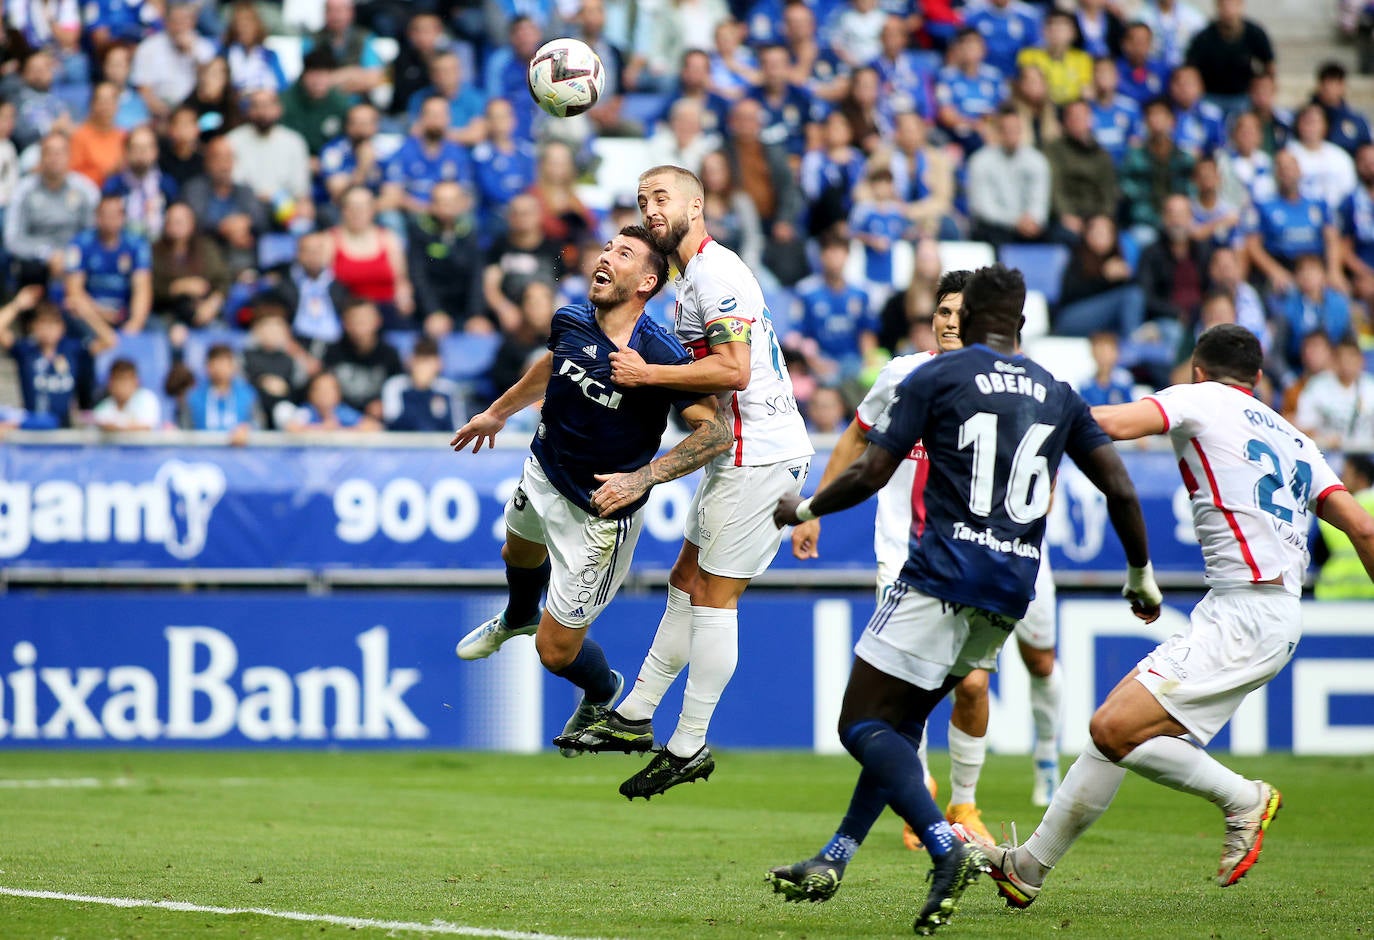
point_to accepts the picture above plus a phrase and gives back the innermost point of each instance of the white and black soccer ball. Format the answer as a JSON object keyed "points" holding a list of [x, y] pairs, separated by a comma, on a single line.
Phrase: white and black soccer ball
{"points": [[566, 77]]}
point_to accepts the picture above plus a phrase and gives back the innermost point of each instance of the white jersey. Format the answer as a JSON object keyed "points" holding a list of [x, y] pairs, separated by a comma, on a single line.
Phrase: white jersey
{"points": [[1253, 480], [717, 285], [902, 498]]}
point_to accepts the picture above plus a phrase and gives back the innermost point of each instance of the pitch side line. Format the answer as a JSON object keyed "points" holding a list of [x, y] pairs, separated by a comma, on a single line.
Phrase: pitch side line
{"points": [[362, 923]]}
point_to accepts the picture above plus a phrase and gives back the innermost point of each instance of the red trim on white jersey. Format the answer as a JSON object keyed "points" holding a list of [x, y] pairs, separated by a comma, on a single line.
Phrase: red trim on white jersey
{"points": [[1321, 497], [739, 430], [859, 420], [1231, 519], [704, 242], [1162, 413]]}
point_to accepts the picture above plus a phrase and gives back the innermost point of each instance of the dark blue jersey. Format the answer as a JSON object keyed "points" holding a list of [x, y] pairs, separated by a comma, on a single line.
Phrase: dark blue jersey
{"points": [[590, 426], [995, 427]]}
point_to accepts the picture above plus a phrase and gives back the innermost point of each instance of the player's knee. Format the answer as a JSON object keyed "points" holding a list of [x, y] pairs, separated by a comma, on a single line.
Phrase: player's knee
{"points": [[1109, 734], [555, 653], [1039, 663], [972, 687]]}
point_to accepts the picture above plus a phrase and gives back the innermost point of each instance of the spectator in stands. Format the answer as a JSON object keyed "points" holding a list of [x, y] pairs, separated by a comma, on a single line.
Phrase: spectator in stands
{"points": [[370, 261], [313, 300], [351, 158], [166, 63], [1007, 26], [591, 29], [878, 222], [1215, 219], [120, 21], [1346, 127], [214, 99], [40, 23], [1216, 309], [49, 206], [1099, 29], [684, 141], [272, 361], [1174, 24], [829, 174], [869, 116], [693, 84], [1228, 53], [314, 108], [1328, 173], [786, 108], [1356, 224], [1153, 171], [128, 406], [1173, 269], [466, 105], [833, 318], [109, 271], [857, 34], [359, 67], [1317, 357], [763, 172], [410, 71], [900, 316], [1083, 177], [1289, 226], [523, 254], [1098, 291], [1276, 123], [97, 145], [968, 91], [227, 210], [225, 400], [1066, 70], [147, 191], [427, 157], [1338, 405], [190, 278], [1008, 186], [179, 155], [504, 166], [730, 215], [827, 412], [1116, 118], [1310, 305], [1031, 98], [1141, 76], [38, 109], [325, 410], [130, 111], [361, 359], [506, 74], [566, 220], [1225, 275], [1247, 170], [904, 82], [527, 340], [9, 160], [56, 370], [924, 178], [422, 399], [1110, 384], [251, 64], [733, 67], [445, 264], [274, 161], [1199, 126]]}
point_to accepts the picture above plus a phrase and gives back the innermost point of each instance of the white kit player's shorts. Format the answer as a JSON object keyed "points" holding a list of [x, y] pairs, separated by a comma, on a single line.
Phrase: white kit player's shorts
{"points": [[1039, 628], [589, 556], [1237, 640], [731, 517], [922, 640]]}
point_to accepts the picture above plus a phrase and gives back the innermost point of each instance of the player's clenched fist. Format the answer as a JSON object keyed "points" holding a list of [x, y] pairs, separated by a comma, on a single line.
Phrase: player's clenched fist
{"points": [[628, 368]]}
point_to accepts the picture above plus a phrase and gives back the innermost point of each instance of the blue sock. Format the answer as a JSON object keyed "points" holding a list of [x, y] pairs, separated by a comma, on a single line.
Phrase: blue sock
{"points": [[891, 759], [591, 673], [840, 849], [865, 806], [524, 586]]}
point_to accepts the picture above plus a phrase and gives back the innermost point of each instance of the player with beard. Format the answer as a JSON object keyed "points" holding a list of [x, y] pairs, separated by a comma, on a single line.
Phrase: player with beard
{"points": [[573, 521], [722, 319]]}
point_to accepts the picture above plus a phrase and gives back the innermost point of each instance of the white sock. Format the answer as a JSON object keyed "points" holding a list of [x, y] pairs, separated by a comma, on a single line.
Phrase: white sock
{"points": [[666, 658], [1083, 796], [1182, 765], [966, 756], [715, 650], [1046, 694]]}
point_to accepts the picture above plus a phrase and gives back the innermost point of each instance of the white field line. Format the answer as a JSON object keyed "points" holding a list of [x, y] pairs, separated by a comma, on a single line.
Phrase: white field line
{"points": [[57, 783], [356, 923]]}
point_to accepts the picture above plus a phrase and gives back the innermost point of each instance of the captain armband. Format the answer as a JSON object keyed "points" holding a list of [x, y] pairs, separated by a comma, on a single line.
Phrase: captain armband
{"points": [[728, 330]]}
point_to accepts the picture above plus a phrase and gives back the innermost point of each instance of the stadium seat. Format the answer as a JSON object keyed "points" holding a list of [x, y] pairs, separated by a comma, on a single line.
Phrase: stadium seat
{"points": [[779, 301], [660, 308], [856, 266], [385, 145], [403, 341], [468, 356], [1068, 358], [903, 264], [1037, 313], [149, 351], [288, 50], [386, 48], [77, 98], [198, 343], [642, 109], [304, 15], [276, 249], [1130, 249], [965, 256], [621, 160], [1042, 266]]}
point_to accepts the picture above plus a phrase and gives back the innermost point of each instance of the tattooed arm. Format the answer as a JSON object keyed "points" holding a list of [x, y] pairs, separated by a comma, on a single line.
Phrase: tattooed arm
{"points": [[711, 436]]}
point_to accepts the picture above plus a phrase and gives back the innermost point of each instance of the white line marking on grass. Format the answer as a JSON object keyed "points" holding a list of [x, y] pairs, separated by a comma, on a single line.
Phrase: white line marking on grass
{"points": [[59, 782], [357, 923]]}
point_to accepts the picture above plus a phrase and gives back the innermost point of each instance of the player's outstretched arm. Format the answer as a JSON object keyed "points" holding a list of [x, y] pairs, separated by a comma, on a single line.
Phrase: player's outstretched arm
{"points": [[725, 369], [1345, 513], [1131, 421], [849, 448], [1104, 468], [483, 428], [711, 436], [860, 480]]}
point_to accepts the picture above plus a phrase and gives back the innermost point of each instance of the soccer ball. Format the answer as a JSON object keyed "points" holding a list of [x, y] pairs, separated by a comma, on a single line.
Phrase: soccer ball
{"points": [[566, 77]]}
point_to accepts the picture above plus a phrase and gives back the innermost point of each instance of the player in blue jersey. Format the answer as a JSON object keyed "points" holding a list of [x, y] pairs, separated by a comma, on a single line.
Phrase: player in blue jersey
{"points": [[573, 521], [995, 425]]}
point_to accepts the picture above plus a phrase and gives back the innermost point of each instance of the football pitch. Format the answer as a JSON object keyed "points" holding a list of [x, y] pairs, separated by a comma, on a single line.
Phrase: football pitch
{"points": [[385, 844]]}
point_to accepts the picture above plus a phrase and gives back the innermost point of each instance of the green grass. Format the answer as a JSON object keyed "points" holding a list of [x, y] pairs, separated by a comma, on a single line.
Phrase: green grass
{"points": [[539, 843]]}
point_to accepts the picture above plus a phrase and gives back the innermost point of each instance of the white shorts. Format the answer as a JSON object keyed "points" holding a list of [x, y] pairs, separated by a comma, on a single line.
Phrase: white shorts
{"points": [[1237, 640], [1038, 629], [923, 640], [731, 518], [589, 556]]}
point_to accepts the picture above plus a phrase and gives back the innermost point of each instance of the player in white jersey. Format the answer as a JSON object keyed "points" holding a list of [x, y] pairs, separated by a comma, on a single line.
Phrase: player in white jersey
{"points": [[898, 501], [1254, 480], [729, 539]]}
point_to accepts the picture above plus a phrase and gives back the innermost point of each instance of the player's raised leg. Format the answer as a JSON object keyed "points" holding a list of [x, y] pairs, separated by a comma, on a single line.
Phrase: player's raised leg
{"points": [[527, 574]]}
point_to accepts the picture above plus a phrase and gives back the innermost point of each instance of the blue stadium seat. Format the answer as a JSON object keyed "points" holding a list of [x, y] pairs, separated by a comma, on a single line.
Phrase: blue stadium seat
{"points": [[468, 356], [1042, 265], [642, 109], [660, 308], [1130, 249], [403, 341], [198, 343], [149, 351], [276, 249], [77, 98], [779, 301]]}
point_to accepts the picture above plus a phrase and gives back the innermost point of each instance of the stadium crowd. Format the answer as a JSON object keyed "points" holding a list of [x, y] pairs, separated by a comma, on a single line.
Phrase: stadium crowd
{"points": [[199, 234]]}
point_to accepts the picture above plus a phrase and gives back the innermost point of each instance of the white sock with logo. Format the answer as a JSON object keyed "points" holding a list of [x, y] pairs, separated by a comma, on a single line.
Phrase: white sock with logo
{"points": [[715, 650], [1182, 765], [966, 756], [1083, 796], [666, 658], [1046, 693]]}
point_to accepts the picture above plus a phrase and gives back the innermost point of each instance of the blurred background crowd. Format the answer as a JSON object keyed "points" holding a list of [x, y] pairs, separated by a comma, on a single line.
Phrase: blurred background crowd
{"points": [[327, 214]]}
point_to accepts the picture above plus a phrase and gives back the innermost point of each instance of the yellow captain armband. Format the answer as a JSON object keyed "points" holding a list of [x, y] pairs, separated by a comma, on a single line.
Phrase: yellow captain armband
{"points": [[728, 330]]}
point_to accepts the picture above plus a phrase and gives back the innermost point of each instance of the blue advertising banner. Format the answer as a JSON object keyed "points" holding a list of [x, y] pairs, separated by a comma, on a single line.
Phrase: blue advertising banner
{"points": [[377, 670], [319, 508]]}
